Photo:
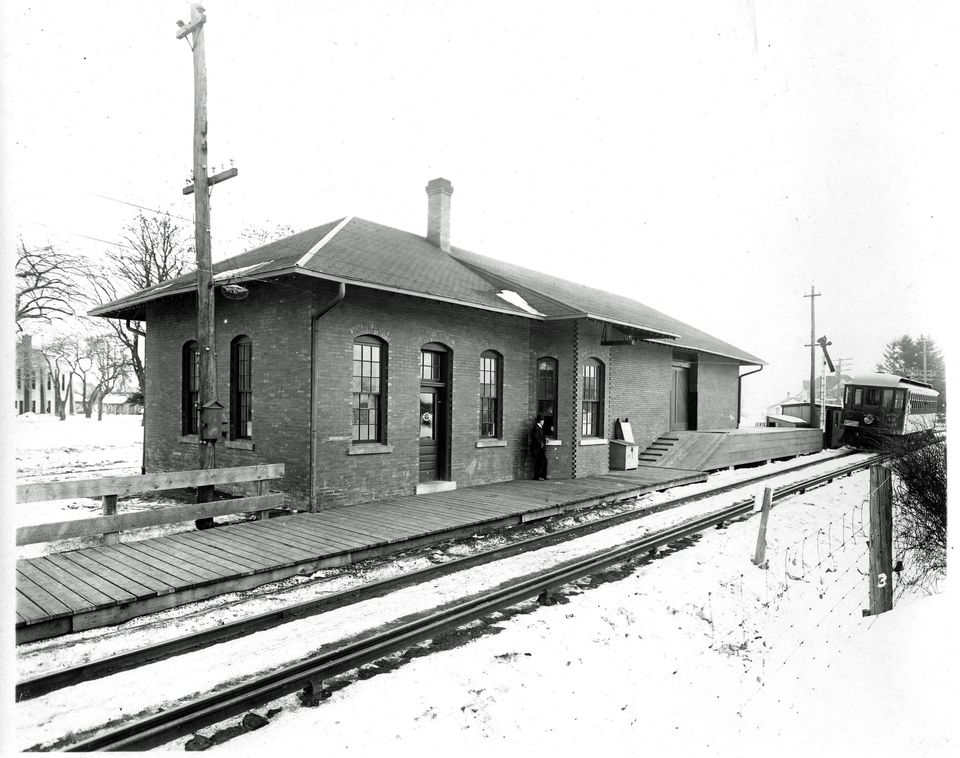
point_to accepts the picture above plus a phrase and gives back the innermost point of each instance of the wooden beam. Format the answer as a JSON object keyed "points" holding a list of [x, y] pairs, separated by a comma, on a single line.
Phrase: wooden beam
{"points": [[110, 509], [766, 500], [127, 485], [881, 540], [28, 535], [215, 179], [190, 28]]}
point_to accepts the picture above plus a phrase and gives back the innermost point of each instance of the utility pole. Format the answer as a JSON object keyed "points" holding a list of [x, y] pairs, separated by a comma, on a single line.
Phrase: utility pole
{"points": [[209, 427], [813, 351], [923, 344]]}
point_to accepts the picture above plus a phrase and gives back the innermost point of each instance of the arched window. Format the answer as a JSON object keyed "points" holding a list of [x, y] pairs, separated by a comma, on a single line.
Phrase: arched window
{"points": [[49, 385], [369, 382], [591, 416], [491, 389], [19, 378], [547, 394], [190, 388], [241, 388]]}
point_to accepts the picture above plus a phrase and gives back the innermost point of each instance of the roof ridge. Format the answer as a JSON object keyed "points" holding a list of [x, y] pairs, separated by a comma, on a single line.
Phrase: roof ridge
{"points": [[305, 258]]}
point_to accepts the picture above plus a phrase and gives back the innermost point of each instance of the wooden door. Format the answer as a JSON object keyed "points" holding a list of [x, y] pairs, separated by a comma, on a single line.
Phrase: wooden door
{"points": [[432, 433], [680, 399]]}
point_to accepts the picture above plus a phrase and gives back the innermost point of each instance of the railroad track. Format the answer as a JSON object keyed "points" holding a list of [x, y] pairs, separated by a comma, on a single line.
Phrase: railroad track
{"points": [[43, 683], [180, 720]]}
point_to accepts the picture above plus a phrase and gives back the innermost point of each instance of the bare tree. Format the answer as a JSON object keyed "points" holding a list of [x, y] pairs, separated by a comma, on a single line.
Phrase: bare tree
{"points": [[111, 366], [65, 352], [154, 252], [54, 363], [46, 284]]}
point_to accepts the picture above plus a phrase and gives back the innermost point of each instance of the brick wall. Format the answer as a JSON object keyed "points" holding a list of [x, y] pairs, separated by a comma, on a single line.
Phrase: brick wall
{"points": [[590, 459], [405, 324], [640, 389], [276, 317], [292, 394]]}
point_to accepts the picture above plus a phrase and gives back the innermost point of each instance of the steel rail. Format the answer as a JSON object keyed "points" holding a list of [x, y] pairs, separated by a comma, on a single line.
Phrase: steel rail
{"points": [[49, 681], [180, 720]]}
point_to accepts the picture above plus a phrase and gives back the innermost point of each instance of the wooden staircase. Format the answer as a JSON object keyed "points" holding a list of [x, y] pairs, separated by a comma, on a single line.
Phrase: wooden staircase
{"points": [[681, 450]]}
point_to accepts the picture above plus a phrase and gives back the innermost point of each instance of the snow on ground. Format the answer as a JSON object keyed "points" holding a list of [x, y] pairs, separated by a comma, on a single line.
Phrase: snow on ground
{"points": [[590, 661], [48, 449], [96, 643], [697, 651]]}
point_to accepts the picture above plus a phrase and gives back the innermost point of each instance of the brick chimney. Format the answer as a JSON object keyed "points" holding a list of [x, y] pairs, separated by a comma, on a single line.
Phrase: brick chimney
{"points": [[438, 213]]}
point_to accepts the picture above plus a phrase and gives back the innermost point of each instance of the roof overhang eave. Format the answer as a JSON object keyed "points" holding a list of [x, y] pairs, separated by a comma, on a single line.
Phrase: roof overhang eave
{"points": [[745, 360], [119, 309], [652, 333]]}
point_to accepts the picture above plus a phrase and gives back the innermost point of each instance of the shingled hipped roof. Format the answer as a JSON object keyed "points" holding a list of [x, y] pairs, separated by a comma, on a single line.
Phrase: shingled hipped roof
{"points": [[371, 255]]}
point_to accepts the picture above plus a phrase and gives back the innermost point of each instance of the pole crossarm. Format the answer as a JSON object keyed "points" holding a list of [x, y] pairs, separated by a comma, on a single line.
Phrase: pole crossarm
{"points": [[190, 28], [215, 179]]}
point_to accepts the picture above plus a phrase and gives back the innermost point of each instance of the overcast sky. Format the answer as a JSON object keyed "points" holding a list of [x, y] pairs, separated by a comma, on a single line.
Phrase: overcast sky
{"points": [[709, 159]]}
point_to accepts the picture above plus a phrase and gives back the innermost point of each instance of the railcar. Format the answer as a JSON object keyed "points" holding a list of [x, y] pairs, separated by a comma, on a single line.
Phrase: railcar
{"points": [[876, 406]]}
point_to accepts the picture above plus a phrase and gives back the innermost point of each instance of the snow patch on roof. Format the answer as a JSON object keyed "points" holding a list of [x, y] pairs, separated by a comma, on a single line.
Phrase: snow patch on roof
{"points": [[230, 273], [514, 298]]}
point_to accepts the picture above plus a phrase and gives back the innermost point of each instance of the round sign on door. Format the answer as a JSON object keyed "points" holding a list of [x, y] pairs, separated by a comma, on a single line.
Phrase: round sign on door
{"points": [[427, 414]]}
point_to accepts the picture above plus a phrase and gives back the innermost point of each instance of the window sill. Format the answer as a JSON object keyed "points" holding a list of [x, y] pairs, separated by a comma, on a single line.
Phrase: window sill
{"points": [[592, 441], [239, 444], [369, 449], [491, 443], [189, 439], [554, 443]]}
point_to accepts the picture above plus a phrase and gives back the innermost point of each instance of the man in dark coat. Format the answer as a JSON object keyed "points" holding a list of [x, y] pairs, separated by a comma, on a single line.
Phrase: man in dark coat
{"points": [[539, 450]]}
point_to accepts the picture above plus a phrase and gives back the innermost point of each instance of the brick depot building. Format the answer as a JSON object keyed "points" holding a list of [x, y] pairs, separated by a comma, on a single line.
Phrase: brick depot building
{"points": [[374, 362]]}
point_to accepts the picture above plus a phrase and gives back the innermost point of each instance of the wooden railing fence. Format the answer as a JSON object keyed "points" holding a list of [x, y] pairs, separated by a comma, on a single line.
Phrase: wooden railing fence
{"points": [[111, 523]]}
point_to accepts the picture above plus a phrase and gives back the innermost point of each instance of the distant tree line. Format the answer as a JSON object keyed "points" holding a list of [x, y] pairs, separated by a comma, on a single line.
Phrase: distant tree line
{"points": [[904, 356]]}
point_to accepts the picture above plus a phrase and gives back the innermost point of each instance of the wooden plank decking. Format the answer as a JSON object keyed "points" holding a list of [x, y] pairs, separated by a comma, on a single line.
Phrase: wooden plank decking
{"points": [[90, 587], [715, 450]]}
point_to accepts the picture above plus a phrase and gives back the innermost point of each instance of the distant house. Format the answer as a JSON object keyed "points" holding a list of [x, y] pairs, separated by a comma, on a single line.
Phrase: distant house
{"points": [[35, 392], [374, 362], [119, 404], [777, 408]]}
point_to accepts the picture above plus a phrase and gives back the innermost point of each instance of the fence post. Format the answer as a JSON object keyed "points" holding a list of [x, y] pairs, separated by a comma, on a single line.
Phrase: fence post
{"points": [[881, 540], [110, 509], [761, 551]]}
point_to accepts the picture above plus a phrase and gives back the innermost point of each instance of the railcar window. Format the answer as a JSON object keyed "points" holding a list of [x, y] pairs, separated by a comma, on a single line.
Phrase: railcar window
{"points": [[872, 397], [858, 397], [888, 399], [898, 401]]}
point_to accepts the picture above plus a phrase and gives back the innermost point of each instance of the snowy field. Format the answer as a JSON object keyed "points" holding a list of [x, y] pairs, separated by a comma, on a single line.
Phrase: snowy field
{"points": [[697, 652], [47, 449]]}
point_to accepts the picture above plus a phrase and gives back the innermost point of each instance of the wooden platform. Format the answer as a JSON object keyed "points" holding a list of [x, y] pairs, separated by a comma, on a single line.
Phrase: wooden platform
{"points": [[91, 587], [715, 450]]}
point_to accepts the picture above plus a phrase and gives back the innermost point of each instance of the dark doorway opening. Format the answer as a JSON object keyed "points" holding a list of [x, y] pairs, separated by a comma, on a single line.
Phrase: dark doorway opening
{"points": [[683, 396], [434, 413]]}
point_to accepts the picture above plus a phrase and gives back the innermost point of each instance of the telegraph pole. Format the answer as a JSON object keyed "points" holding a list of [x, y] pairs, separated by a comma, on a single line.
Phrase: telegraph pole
{"points": [[813, 351], [206, 326], [923, 343]]}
